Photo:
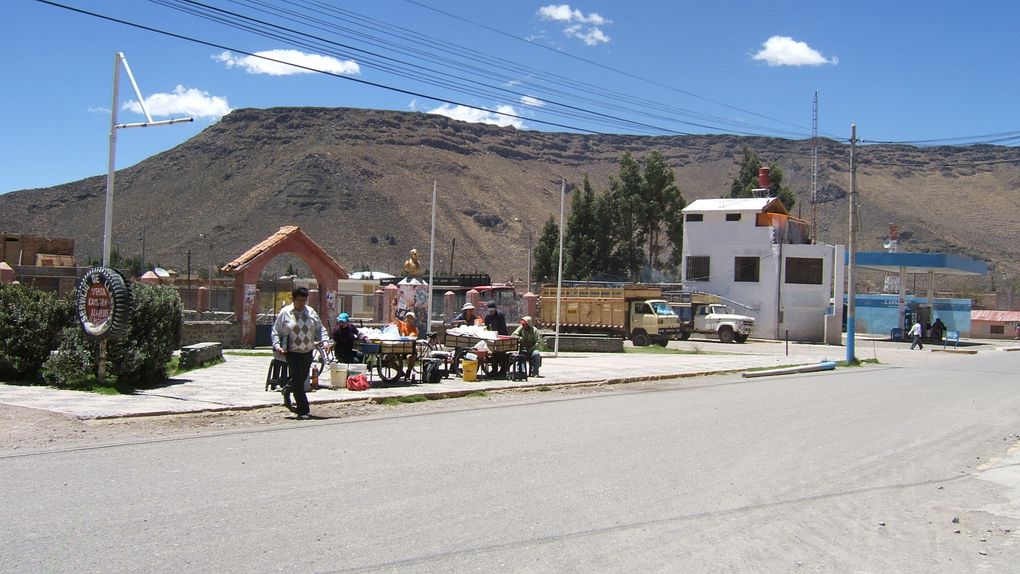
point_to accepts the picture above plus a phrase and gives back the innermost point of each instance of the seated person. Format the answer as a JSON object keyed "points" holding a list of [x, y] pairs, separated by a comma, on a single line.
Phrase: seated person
{"points": [[344, 335], [466, 316], [409, 326], [528, 336], [495, 320]]}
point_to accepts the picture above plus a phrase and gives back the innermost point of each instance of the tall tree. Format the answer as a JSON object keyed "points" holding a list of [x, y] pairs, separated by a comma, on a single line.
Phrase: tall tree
{"points": [[545, 255], [579, 240], [747, 179], [628, 203], [661, 203]]}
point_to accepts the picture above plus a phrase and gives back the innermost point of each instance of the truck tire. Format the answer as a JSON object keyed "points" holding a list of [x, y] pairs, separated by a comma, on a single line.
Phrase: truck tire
{"points": [[639, 338], [740, 338], [684, 336], [662, 341], [726, 334]]}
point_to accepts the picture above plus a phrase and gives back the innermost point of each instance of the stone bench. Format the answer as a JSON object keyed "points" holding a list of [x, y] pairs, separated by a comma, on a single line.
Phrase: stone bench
{"points": [[195, 355], [585, 343]]}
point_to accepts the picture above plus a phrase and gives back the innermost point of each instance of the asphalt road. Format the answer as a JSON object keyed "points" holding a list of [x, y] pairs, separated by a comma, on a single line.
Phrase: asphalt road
{"points": [[856, 470]]}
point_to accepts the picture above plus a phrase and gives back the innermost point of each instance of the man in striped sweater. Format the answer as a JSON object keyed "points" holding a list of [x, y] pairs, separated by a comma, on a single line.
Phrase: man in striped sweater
{"points": [[296, 332]]}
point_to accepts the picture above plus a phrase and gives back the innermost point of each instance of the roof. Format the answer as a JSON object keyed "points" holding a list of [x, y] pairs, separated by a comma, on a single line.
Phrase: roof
{"points": [[996, 316], [283, 234], [733, 204], [939, 263]]}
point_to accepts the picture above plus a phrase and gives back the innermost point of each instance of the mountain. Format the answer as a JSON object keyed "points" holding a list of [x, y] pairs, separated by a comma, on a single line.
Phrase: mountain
{"points": [[359, 182]]}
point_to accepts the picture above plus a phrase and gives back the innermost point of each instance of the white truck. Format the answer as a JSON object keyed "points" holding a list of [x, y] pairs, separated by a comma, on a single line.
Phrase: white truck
{"points": [[705, 313]]}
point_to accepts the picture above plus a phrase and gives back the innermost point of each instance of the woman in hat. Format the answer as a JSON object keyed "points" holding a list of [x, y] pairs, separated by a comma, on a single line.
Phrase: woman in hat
{"points": [[466, 315]]}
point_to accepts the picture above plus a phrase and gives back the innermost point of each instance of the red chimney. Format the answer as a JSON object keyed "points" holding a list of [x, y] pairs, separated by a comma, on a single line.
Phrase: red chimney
{"points": [[763, 178]]}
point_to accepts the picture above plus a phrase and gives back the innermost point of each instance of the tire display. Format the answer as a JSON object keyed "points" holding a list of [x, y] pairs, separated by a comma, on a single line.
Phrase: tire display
{"points": [[104, 303]]}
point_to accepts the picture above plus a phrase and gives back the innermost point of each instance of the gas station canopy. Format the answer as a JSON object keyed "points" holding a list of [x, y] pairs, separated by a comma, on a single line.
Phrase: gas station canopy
{"points": [[938, 263]]}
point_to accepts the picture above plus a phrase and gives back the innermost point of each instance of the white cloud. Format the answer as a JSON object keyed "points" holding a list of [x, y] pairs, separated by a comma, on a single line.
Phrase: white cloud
{"points": [[533, 102], [785, 51], [413, 105], [481, 116], [579, 25], [183, 102], [282, 67], [99, 110]]}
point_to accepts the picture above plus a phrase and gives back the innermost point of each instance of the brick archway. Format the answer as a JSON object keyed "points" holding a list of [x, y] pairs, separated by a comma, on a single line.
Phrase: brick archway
{"points": [[247, 270]]}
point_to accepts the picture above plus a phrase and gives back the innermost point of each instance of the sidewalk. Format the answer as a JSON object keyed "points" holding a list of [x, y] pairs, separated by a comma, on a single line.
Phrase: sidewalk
{"points": [[238, 383]]}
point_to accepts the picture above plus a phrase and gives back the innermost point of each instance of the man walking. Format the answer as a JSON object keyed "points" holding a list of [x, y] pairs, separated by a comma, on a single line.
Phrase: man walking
{"points": [[295, 333], [915, 332]]}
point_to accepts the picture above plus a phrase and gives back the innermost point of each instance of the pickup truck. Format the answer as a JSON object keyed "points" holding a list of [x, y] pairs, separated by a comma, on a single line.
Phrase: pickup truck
{"points": [[704, 314]]}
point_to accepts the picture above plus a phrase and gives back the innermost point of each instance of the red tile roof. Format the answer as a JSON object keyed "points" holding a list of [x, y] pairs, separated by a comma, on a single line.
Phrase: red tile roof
{"points": [[996, 316]]}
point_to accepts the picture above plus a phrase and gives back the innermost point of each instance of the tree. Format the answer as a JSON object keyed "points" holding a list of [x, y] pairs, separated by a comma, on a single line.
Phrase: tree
{"points": [[628, 203], [661, 202], [581, 234], [747, 179], [545, 255]]}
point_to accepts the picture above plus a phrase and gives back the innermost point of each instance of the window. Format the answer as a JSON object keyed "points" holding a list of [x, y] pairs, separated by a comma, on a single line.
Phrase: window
{"points": [[694, 217], [732, 217], [997, 329], [803, 270], [746, 269], [697, 268]]}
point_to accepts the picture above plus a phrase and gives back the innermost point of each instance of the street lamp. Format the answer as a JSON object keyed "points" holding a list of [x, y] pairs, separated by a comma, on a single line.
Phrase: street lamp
{"points": [[119, 60]]}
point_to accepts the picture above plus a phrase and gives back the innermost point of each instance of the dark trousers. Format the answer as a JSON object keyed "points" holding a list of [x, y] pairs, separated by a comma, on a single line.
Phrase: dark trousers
{"points": [[351, 356], [299, 365], [917, 342]]}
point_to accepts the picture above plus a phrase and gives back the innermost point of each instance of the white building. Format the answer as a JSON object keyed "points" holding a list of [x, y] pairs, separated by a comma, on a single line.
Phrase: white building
{"points": [[751, 251]]}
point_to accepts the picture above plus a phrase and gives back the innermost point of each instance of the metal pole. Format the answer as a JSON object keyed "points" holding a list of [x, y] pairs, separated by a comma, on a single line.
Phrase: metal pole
{"points": [[559, 271], [108, 214], [851, 306], [432, 259], [143, 246]]}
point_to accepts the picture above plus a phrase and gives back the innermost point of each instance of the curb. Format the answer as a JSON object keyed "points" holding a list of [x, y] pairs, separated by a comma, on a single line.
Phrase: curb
{"points": [[957, 351]]}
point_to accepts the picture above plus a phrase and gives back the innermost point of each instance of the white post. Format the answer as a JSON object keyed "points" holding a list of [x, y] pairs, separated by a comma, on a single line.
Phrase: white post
{"points": [[559, 272], [851, 302], [108, 215], [432, 258]]}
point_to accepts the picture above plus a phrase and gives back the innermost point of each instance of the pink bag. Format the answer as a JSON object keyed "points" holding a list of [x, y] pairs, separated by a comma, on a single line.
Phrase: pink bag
{"points": [[358, 383]]}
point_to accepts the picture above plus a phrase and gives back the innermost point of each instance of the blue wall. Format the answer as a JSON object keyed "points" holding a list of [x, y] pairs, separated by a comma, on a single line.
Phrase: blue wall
{"points": [[877, 314]]}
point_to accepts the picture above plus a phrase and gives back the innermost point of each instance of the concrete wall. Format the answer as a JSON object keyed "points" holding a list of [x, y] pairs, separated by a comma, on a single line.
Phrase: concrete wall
{"points": [[983, 329], [228, 333]]}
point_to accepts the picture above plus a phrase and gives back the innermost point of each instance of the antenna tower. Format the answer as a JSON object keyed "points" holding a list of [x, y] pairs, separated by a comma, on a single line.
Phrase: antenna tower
{"points": [[814, 169]]}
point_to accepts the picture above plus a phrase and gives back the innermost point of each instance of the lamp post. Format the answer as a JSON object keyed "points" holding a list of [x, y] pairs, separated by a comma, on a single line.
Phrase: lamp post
{"points": [[212, 263], [118, 61]]}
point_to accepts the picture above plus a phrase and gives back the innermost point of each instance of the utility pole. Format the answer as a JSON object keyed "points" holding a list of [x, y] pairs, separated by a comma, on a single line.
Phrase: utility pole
{"points": [[143, 249], [851, 306], [814, 170], [559, 272], [529, 262]]}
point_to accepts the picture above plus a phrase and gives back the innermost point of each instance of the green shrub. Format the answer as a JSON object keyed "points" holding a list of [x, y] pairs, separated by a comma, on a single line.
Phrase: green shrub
{"points": [[140, 357], [31, 322], [74, 363]]}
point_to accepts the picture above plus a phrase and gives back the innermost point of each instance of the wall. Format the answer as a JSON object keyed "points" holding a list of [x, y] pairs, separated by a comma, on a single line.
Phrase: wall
{"points": [[983, 329], [226, 332], [879, 315]]}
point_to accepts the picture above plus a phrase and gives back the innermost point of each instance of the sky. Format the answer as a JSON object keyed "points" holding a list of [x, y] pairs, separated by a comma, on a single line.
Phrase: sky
{"points": [[910, 71]]}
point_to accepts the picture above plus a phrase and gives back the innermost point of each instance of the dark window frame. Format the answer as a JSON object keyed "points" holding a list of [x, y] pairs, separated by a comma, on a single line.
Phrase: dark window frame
{"points": [[747, 269], [694, 264], [805, 271], [732, 217], [694, 217]]}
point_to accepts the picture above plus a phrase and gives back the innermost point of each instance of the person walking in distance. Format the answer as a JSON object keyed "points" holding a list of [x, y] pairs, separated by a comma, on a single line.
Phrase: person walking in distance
{"points": [[915, 332], [296, 332]]}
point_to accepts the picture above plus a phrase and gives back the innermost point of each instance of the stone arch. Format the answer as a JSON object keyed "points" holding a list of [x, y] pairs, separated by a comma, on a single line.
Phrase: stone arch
{"points": [[247, 270]]}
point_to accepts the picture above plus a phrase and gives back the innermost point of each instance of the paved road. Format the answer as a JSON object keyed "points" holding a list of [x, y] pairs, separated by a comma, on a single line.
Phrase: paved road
{"points": [[856, 470]]}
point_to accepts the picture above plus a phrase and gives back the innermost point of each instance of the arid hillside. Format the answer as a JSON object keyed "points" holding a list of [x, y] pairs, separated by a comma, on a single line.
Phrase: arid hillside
{"points": [[360, 181]]}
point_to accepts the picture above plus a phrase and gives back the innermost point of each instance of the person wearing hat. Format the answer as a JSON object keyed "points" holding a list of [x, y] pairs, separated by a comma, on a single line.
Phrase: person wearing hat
{"points": [[409, 326], [495, 320], [527, 334], [466, 315], [344, 336]]}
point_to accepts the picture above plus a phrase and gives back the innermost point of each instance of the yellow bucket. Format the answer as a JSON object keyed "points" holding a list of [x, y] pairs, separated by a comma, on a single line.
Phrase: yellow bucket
{"points": [[470, 369]]}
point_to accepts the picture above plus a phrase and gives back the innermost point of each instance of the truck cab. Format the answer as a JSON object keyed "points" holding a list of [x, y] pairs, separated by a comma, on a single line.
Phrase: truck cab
{"points": [[652, 320]]}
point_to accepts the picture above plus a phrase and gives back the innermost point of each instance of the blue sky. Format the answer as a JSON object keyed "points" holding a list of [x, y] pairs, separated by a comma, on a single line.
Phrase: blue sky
{"points": [[902, 71]]}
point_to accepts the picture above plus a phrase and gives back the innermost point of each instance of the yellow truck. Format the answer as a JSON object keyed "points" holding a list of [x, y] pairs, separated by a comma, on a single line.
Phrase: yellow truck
{"points": [[635, 312]]}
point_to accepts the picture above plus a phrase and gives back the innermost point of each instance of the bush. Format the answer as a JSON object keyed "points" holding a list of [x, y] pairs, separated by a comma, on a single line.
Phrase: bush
{"points": [[139, 358], [74, 363], [31, 322]]}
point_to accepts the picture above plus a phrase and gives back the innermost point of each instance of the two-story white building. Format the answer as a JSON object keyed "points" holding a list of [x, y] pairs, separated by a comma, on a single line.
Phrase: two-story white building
{"points": [[751, 251]]}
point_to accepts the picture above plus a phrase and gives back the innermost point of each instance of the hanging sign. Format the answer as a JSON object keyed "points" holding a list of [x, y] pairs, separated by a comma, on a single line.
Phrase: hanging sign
{"points": [[104, 303]]}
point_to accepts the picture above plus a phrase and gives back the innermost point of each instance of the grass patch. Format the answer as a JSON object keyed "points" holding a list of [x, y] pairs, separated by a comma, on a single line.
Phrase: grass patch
{"points": [[477, 394], [102, 390], [769, 368], [393, 401], [855, 362], [249, 353], [173, 366]]}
